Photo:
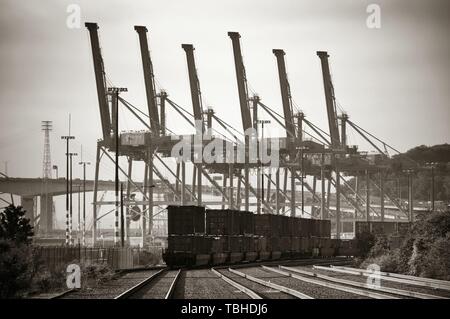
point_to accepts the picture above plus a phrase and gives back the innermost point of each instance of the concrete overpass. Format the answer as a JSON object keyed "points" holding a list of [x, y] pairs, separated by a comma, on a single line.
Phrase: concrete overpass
{"points": [[30, 188]]}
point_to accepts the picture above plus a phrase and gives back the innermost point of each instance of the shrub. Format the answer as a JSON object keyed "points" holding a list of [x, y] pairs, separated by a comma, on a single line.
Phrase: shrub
{"points": [[423, 252], [93, 274], [16, 268]]}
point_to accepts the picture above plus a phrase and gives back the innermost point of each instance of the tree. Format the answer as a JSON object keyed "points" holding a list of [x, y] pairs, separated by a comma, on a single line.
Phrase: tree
{"points": [[14, 226]]}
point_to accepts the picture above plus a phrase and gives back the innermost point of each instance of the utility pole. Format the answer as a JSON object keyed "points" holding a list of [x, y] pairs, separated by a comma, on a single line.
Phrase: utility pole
{"points": [[67, 138], [70, 198], [122, 221], [83, 228], [114, 91], [79, 215]]}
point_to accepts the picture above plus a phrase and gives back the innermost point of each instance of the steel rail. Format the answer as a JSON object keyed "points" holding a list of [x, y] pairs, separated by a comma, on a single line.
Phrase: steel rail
{"points": [[389, 290], [413, 280], [237, 285], [171, 290], [286, 290], [355, 291], [127, 293]]}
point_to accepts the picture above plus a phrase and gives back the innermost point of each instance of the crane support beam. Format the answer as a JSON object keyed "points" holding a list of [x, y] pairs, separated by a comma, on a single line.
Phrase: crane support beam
{"points": [[149, 80], [194, 83], [285, 92], [329, 99], [241, 81], [100, 81]]}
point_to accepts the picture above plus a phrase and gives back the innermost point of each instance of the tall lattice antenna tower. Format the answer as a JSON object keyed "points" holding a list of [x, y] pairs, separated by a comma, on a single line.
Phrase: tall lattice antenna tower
{"points": [[47, 126]]}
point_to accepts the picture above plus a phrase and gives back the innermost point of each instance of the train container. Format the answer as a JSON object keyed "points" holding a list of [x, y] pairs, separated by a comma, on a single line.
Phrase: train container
{"points": [[261, 243], [361, 227], [304, 245], [248, 243], [286, 225], [275, 255], [325, 243], [273, 243], [295, 244], [347, 248], [196, 244], [235, 257], [264, 255], [222, 222], [250, 256], [315, 224], [379, 228], [267, 225], [327, 252], [229, 222], [305, 227], [296, 231], [325, 228], [184, 220], [285, 246], [247, 223], [285, 243], [182, 259], [334, 243], [219, 244], [219, 258]]}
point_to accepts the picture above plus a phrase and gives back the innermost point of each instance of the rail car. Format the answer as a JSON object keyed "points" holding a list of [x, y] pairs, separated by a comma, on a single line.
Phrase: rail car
{"points": [[199, 237]]}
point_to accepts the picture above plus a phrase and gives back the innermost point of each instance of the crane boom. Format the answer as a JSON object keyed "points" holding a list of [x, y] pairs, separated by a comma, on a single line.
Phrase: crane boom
{"points": [[285, 93], [196, 95], [241, 81], [329, 99], [100, 81], [149, 81]]}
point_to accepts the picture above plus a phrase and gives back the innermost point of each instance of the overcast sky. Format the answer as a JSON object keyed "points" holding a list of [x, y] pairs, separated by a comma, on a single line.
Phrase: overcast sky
{"points": [[393, 81]]}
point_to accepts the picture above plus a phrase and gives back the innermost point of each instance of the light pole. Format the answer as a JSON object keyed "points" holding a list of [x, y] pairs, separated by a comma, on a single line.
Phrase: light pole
{"points": [[67, 138], [70, 197], [262, 122], [432, 165], [84, 196]]}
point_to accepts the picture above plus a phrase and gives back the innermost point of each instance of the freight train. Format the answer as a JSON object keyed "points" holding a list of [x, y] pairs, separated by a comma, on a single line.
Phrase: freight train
{"points": [[208, 237]]}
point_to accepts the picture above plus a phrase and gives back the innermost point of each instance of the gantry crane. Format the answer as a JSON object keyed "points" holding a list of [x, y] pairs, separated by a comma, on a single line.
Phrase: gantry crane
{"points": [[100, 81], [330, 100], [149, 81]]}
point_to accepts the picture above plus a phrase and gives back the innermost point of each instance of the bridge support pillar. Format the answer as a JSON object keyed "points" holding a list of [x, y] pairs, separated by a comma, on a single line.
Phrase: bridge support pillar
{"points": [[46, 214], [27, 203]]}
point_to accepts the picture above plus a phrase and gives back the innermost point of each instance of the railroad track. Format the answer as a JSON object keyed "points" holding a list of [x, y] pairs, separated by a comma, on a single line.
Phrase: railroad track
{"points": [[160, 285], [300, 279], [356, 282], [109, 290]]}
